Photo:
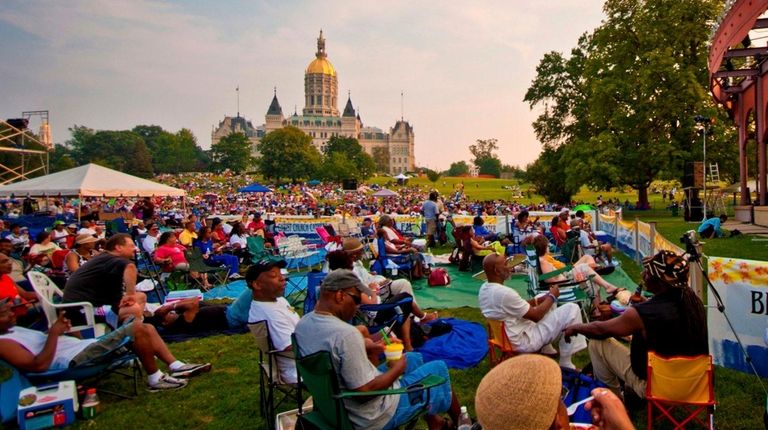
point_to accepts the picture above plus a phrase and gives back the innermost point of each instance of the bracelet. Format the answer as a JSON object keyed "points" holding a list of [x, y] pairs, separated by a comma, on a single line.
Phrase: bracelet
{"points": [[554, 299]]}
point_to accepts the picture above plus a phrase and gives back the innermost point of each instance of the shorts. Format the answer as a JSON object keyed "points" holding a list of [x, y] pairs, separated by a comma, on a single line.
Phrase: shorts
{"points": [[431, 227], [439, 396], [103, 345], [109, 315]]}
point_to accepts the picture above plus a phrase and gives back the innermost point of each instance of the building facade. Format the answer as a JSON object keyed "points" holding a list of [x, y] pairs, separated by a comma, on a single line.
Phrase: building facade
{"points": [[321, 120]]}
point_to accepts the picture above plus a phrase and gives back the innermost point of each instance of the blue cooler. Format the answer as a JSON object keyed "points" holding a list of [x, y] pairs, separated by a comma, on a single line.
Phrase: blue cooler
{"points": [[47, 406]]}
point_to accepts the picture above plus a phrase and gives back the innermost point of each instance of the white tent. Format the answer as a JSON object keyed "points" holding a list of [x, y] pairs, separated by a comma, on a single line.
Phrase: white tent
{"points": [[90, 180], [402, 176]]}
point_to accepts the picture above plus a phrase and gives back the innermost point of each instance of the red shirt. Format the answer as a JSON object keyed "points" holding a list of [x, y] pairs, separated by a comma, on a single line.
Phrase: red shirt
{"points": [[8, 290], [176, 253]]}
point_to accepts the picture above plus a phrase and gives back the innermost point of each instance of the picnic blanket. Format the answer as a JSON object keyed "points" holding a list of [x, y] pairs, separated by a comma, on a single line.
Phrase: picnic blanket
{"points": [[463, 347]]}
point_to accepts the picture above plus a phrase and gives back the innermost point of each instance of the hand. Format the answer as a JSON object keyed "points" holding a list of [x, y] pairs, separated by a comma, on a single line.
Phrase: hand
{"points": [[127, 300], [398, 365], [554, 291], [60, 326], [569, 332], [608, 411]]}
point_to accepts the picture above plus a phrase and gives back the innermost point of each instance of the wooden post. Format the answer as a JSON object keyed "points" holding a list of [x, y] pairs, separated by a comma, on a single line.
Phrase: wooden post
{"points": [[616, 230], [637, 241], [653, 237]]}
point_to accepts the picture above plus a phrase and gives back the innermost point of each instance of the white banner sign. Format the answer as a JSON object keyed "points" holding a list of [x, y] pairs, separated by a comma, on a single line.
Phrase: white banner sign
{"points": [[743, 286]]}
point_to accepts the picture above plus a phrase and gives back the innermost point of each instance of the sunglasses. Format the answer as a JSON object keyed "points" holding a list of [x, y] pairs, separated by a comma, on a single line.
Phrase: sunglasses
{"points": [[355, 298]]}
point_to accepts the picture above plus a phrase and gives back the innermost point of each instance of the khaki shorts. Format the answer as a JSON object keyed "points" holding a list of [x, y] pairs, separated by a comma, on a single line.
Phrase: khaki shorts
{"points": [[103, 345], [431, 227]]}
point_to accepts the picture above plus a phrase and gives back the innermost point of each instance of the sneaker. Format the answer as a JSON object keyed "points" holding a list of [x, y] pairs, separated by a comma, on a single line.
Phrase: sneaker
{"points": [[167, 383], [190, 369], [548, 349], [235, 276]]}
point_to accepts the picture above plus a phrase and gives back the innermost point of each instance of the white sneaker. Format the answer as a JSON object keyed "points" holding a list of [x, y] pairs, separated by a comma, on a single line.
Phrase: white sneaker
{"points": [[548, 349], [167, 383]]}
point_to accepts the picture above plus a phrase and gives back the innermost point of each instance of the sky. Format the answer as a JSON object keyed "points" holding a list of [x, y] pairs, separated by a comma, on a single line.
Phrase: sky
{"points": [[463, 67]]}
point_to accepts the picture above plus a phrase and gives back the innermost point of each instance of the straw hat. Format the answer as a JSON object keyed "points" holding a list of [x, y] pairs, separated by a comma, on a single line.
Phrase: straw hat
{"points": [[522, 392], [85, 238], [352, 244]]}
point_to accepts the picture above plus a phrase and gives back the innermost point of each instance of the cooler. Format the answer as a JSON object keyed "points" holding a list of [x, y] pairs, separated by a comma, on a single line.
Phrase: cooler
{"points": [[47, 406]]}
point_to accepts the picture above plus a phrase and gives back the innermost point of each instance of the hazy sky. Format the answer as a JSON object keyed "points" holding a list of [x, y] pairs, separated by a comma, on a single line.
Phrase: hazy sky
{"points": [[463, 66]]}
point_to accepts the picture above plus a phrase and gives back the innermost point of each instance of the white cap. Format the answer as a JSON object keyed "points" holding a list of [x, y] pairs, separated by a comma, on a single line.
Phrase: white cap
{"points": [[463, 409]]}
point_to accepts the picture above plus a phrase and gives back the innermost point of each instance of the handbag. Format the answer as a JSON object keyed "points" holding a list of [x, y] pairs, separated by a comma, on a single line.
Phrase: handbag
{"points": [[439, 278]]}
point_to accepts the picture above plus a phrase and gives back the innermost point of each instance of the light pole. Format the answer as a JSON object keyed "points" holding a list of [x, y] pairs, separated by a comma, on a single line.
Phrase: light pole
{"points": [[704, 122]]}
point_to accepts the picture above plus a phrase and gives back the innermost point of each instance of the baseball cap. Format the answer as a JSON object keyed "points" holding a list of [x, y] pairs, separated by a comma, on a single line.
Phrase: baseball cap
{"points": [[342, 279], [264, 265], [59, 222], [85, 238], [72, 226]]}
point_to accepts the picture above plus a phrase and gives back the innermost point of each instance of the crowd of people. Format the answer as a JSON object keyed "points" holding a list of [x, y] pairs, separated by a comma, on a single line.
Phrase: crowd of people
{"points": [[100, 267]]}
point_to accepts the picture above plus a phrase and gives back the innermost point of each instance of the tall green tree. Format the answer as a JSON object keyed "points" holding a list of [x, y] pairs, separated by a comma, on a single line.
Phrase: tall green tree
{"points": [[624, 102], [546, 175], [232, 152], [288, 153], [486, 160], [120, 150], [351, 149], [458, 168], [172, 152]]}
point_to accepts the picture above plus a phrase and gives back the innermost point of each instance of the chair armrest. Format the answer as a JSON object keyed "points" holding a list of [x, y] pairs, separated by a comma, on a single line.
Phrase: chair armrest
{"points": [[554, 273], [90, 320], [426, 383]]}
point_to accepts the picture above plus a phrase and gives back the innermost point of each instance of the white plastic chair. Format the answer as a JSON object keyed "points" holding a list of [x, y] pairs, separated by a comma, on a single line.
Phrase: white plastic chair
{"points": [[48, 293]]}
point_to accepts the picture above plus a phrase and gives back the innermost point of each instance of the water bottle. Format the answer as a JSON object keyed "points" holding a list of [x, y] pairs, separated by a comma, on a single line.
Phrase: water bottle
{"points": [[90, 403], [465, 423]]}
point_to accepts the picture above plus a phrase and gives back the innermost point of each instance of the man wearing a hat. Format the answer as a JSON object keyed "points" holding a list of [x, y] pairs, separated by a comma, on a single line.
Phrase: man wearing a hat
{"points": [[263, 301], [671, 323], [326, 329]]}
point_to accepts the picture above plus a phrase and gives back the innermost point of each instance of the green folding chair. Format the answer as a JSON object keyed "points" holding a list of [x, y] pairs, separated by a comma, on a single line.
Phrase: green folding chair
{"points": [[219, 274], [570, 291], [318, 375], [256, 248]]}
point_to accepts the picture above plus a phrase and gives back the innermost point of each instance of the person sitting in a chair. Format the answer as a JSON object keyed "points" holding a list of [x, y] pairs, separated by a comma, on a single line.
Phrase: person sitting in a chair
{"points": [[531, 325], [326, 329], [34, 351], [671, 323]]}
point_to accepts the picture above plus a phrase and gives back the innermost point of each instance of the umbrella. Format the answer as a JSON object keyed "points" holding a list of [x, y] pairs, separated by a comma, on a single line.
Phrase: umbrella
{"points": [[385, 193], [254, 188], [583, 208]]}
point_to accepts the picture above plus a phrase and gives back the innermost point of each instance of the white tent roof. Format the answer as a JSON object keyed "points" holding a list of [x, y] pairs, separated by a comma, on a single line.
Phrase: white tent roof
{"points": [[402, 176], [90, 180]]}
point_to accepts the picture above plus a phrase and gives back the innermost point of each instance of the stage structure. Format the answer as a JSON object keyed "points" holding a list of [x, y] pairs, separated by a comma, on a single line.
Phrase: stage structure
{"points": [[22, 152], [738, 77]]}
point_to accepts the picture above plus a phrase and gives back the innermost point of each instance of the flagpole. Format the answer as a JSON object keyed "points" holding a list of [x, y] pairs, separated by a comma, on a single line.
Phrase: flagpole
{"points": [[238, 100]]}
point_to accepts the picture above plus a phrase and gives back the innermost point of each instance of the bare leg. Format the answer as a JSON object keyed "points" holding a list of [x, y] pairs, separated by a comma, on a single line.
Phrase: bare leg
{"points": [[436, 422]]}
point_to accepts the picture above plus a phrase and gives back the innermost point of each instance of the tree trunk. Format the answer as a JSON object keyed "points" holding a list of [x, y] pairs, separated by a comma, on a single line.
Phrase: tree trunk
{"points": [[642, 198]]}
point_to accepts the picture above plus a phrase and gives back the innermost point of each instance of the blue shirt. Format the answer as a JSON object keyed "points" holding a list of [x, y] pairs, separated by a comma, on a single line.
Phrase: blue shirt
{"points": [[237, 312], [713, 222], [430, 209]]}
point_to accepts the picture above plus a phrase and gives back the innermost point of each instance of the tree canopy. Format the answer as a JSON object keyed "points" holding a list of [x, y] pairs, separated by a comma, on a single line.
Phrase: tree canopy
{"points": [[232, 152], [120, 150], [288, 153], [458, 168], [486, 160], [345, 159], [623, 102]]}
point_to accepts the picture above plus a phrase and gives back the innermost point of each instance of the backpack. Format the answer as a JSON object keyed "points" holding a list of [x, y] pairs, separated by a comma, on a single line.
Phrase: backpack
{"points": [[439, 278]]}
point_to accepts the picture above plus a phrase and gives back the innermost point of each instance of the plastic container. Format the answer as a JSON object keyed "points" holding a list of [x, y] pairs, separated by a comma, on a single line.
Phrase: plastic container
{"points": [[90, 404], [465, 423], [393, 351]]}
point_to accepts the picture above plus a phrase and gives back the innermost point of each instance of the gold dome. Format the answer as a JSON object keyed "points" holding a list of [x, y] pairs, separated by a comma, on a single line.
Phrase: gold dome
{"points": [[321, 65]]}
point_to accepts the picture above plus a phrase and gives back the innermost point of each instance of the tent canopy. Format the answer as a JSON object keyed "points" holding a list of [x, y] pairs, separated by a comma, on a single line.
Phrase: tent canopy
{"points": [[254, 188], [90, 180], [385, 193], [402, 176]]}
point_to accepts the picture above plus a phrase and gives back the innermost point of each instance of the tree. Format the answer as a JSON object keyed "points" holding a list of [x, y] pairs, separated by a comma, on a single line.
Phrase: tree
{"points": [[624, 102], [484, 151], [120, 150], [337, 167], [547, 176], [362, 164], [432, 175], [381, 159], [61, 158], [288, 153], [232, 152], [172, 152], [458, 168]]}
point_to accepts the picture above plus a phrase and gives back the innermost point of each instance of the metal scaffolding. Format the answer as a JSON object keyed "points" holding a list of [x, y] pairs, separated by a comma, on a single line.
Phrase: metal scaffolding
{"points": [[15, 137]]}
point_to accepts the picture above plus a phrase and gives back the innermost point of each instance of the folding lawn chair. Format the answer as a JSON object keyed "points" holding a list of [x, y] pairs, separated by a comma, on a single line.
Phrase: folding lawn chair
{"points": [[197, 264], [390, 262], [570, 291], [322, 381], [499, 346], [680, 382], [270, 379], [50, 298]]}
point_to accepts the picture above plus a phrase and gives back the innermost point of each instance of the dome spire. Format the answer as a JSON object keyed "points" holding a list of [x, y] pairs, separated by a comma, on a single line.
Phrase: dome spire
{"points": [[321, 46]]}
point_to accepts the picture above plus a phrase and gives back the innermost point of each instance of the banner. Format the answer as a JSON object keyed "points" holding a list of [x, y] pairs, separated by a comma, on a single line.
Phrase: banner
{"points": [[743, 286]]}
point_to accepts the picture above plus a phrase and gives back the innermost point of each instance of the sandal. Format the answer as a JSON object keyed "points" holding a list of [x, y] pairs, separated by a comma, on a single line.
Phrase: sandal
{"points": [[429, 316]]}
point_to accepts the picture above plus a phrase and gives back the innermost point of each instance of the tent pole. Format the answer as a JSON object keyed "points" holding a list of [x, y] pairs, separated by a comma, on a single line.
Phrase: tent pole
{"points": [[79, 206]]}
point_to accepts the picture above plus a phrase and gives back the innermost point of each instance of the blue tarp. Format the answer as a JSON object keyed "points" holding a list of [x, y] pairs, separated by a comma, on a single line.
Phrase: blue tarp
{"points": [[465, 346], [254, 188]]}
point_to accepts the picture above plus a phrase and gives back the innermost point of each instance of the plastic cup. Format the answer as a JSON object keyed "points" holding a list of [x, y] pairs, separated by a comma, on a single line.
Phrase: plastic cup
{"points": [[393, 351]]}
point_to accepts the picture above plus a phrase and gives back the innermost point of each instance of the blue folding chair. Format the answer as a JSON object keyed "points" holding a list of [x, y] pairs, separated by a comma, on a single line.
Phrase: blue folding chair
{"points": [[385, 262], [314, 279]]}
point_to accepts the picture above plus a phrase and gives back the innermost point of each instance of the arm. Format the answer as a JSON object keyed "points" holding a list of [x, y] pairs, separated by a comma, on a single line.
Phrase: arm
{"points": [[542, 305], [628, 323], [129, 279], [21, 358], [72, 262], [26, 295], [385, 380]]}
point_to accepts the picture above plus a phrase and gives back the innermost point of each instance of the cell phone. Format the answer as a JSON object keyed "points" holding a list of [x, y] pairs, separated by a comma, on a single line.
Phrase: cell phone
{"points": [[75, 315]]}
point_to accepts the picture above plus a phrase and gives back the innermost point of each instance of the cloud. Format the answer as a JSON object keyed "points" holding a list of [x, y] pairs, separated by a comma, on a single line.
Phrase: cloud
{"points": [[463, 66]]}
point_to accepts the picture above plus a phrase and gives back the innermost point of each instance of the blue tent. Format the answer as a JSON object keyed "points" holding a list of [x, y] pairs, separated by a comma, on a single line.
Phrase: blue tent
{"points": [[254, 188], [313, 182]]}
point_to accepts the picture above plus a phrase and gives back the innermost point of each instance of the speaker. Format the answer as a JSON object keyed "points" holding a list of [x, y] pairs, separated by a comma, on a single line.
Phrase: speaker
{"points": [[693, 174], [349, 184], [20, 123]]}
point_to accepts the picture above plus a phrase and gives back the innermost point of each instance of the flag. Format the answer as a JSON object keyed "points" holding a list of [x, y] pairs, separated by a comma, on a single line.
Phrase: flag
{"points": [[238, 88]]}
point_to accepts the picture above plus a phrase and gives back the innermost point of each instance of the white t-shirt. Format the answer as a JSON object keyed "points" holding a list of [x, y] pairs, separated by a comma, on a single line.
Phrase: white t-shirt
{"points": [[235, 239], [586, 243], [34, 341], [88, 231], [227, 228], [281, 320], [501, 303], [149, 244]]}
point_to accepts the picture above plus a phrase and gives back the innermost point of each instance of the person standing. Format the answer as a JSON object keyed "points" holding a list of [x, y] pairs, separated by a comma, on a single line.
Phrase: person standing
{"points": [[429, 208]]}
